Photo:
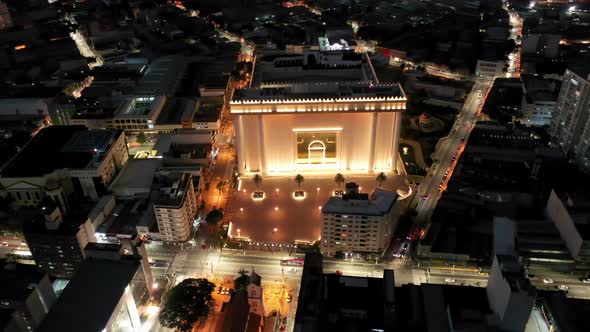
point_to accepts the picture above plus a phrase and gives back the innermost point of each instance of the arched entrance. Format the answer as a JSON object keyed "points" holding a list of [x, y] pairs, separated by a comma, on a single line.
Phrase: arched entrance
{"points": [[316, 152]]}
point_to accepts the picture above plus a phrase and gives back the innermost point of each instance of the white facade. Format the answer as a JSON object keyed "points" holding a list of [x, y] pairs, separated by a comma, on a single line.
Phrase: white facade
{"points": [[365, 141], [175, 218], [358, 225], [570, 127]]}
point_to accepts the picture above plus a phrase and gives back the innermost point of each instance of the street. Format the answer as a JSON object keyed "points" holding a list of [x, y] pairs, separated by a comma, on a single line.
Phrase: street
{"points": [[448, 151]]}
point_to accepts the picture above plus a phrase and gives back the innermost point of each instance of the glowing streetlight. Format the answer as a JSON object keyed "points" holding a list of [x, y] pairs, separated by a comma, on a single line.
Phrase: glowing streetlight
{"points": [[275, 230], [360, 188], [155, 285], [276, 208], [320, 208], [241, 209]]}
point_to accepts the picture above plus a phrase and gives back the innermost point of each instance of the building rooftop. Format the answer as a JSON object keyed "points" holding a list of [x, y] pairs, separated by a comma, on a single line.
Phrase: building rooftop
{"points": [[137, 175], [176, 110], [61, 147], [311, 66], [125, 217], [172, 188], [379, 203], [140, 106], [19, 281], [99, 282], [319, 92]]}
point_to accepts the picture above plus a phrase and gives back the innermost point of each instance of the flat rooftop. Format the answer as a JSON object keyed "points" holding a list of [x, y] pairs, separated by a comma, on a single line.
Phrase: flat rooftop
{"points": [[327, 91], [379, 203], [176, 110], [125, 217], [60, 147], [140, 106], [172, 188], [311, 66], [100, 283]]}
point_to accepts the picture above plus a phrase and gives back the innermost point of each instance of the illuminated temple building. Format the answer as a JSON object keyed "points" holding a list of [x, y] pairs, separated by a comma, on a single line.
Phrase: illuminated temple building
{"points": [[317, 111]]}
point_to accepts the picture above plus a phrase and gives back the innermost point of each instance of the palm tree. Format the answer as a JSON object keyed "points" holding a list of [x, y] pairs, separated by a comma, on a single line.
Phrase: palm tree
{"points": [[381, 177], [339, 179], [257, 180], [299, 180]]}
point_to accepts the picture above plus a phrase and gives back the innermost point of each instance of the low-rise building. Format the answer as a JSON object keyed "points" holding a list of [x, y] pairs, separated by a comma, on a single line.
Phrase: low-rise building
{"points": [[64, 160], [489, 69], [357, 222], [138, 112]]}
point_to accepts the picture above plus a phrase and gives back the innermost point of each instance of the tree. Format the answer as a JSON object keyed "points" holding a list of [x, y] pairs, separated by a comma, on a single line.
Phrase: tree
{"points": [[242, 281], [381, 177], [214, 216], [257, 180], [299, 180], [187, 303], [141, 139], [339, 179]]}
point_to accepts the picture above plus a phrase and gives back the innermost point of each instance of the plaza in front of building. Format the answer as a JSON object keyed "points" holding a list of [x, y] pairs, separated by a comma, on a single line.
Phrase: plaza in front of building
{"points": [[282, 219]]}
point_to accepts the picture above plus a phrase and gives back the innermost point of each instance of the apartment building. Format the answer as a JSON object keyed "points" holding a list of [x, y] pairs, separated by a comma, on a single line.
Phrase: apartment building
{"points": [[175, 205], [570, 128], [358, 222]]}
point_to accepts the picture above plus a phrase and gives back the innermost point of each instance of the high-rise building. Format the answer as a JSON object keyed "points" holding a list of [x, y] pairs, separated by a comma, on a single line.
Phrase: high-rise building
{"points": [[176, 206], [357, 222], [114, 281], [570, 127], [317, 111], [57, 242]]}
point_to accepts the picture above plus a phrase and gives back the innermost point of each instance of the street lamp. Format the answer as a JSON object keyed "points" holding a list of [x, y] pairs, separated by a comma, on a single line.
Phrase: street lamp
{"points": [[360, 188], [239, 232], [318, 189], [276, 208], [275, 230], [277, 192], [241, 209]]}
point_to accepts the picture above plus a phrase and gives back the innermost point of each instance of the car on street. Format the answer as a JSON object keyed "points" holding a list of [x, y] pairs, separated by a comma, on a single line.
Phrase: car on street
{"points": [[339, 272], [548, 281], [258, 195], [585, 280], [450, 280], [289, 298], [299, 194], [424, 197], [563, 287], [531, 276], [5, 244]]}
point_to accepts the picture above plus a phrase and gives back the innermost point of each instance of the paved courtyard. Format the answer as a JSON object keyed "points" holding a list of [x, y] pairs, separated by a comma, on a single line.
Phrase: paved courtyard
{"points": [[281, 219]]}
